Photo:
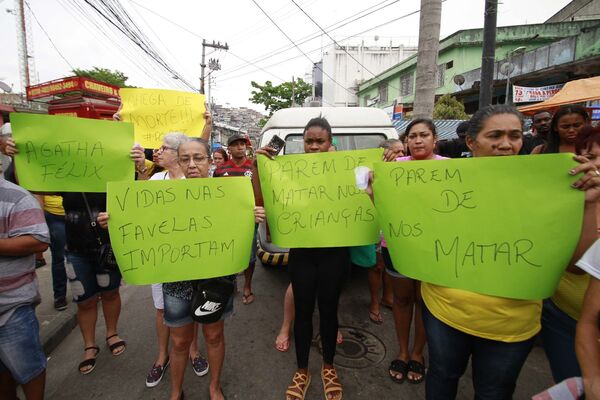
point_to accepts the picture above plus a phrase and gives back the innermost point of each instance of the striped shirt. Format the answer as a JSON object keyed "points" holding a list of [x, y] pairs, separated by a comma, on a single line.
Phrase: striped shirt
{"points": [[20, 215], [229, 168]]}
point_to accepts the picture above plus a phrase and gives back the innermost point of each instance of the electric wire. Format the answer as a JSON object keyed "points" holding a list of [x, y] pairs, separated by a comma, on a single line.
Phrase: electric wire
{"points": [[344, 39], [200, 37], [317, 34], [115, 15], [339, 46], [48, 36], [83, 15], [300, 50]]}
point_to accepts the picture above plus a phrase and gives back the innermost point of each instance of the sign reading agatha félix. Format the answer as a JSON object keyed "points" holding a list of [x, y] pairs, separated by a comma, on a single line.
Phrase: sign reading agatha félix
{"points": [[311, 200], [66, 154], [502, 226], [156, 112]]}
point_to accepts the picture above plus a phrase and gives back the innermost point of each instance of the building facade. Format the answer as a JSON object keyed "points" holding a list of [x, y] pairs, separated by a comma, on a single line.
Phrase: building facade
{"points": [[344, 68], [539, 54]]}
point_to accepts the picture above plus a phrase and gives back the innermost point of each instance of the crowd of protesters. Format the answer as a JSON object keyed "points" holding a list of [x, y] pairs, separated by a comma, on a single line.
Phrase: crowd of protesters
{"points": [[457, 326]]}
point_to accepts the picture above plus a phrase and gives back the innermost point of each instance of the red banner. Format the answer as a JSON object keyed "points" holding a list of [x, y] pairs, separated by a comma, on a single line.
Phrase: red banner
{"points": [[71, 84]]}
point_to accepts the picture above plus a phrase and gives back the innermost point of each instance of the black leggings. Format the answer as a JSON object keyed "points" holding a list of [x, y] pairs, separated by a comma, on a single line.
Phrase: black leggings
{"points": [[317, 274]]}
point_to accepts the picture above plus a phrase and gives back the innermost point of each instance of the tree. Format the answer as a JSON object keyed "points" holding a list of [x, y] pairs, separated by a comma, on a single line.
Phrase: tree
{"points": [[447, 107], [115, 78], [277, 97], [429, 39]]}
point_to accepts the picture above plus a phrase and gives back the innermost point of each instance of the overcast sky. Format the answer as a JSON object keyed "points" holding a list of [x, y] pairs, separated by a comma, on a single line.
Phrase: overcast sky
{"points": [[240, 23]]}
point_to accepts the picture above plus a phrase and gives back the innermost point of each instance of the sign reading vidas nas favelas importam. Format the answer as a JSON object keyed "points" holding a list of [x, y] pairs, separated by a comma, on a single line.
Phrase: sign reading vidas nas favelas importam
{"points": [[502, 226], [156, 112], [178, 230], [311, 200], [66, 154]]}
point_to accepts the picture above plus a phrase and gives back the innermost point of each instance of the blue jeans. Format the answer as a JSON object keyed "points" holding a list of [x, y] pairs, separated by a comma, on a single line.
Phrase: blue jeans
{"points": [[558, 337], [496, 365], [86, 279], [56, 225], [21, 351]]}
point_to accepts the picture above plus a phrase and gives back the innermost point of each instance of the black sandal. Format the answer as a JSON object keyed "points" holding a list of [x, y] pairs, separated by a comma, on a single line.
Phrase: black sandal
{"points": [[399, 367], [116, 345], [417, 368], [89, 362]]}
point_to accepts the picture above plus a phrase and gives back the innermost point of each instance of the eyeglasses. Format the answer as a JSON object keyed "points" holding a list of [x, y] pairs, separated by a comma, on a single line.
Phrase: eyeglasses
{"points": [[165, 148], [195, 159]]}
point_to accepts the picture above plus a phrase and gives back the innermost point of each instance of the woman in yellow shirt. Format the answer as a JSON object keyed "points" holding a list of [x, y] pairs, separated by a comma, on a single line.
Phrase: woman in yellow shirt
{"points": [[497, 333], [561, 312]]}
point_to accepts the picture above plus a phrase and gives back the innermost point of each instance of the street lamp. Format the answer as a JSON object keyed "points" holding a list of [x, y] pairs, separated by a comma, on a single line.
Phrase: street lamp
{"points": [[508, 67]]}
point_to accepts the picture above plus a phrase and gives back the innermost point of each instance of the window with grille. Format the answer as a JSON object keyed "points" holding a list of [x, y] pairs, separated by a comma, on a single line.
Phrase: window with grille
{"points": [[383, 92], [406, 84]]}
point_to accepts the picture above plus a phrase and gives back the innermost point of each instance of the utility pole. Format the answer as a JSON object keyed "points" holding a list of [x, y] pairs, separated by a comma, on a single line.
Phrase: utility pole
{"points": [[486, 88], [426, 70], [293, 94], [214, 45]]}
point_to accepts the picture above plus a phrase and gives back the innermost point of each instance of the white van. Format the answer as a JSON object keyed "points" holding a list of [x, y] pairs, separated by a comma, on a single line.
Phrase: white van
{"points": [[353, 128]]}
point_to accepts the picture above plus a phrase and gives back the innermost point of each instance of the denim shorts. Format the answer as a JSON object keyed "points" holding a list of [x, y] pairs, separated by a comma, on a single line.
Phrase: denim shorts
{"points": [[178, 311], [86, 280], [389, 267], [21, 351]]}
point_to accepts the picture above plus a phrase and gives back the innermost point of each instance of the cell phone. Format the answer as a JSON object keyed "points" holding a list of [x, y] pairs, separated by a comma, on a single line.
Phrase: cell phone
{"points": [[276, 143]]}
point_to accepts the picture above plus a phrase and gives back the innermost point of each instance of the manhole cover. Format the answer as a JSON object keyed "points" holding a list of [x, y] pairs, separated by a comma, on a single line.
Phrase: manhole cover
{"points": [[360, 348]]}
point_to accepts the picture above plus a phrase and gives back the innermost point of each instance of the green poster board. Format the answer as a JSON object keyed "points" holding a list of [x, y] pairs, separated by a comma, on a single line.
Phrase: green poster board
{"points": [[312, 200], [168, 231], [502, 226], [67, 154]]}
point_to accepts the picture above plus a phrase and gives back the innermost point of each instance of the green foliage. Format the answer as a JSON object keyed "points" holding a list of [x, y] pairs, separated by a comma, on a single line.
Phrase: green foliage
{"points": [[277, 97], [115, 78], [447, 107]]}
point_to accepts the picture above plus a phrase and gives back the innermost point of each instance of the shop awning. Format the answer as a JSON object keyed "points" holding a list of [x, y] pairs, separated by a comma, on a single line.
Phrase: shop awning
{"points": [[577, 91]]}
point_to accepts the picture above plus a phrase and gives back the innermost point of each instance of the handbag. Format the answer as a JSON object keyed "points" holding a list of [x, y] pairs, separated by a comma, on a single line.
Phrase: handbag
{"points": [[106, 257], [210, 298]]}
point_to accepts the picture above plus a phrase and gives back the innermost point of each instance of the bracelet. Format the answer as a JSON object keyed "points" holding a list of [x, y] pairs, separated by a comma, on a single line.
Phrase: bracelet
{"points": [[141, 170]]}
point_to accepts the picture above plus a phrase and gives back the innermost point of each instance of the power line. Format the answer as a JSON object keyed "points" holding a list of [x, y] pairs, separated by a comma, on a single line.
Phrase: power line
{"points": [[346, 38], [118, 17], [200, 37], [77, 8], [315, 35], [337, 44], [300, 50], [48, 36]]}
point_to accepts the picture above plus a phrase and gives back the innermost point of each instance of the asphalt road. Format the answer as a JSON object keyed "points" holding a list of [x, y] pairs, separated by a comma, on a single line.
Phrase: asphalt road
{"points": [[253, 368]]}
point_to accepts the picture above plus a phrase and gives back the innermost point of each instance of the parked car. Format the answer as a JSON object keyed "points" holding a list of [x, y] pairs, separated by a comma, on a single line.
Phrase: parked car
{"points": [[353, 128]]}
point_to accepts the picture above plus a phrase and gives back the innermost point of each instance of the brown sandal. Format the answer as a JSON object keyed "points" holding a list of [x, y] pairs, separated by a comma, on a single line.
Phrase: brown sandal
{"points": [[331, 384], [297, 390]]}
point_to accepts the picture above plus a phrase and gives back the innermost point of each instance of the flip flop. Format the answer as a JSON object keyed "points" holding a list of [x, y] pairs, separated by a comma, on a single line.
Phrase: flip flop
{"points": [[416, 367], [248, 298], [375, 318], [282, 345], [398, 367]]}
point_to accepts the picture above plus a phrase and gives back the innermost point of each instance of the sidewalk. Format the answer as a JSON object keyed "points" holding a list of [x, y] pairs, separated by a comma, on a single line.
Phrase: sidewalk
{"points": [[54, 325]]}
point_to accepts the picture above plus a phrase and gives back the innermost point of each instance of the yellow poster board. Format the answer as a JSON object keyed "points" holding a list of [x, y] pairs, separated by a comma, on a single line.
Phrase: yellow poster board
{"points": [[156, 112]]}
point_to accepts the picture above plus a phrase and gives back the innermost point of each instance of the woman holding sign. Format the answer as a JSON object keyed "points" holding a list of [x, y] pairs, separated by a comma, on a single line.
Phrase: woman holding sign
{"points": [[421, 137], [561, 312], [92, 281], [194, 160], [497, 333]]}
